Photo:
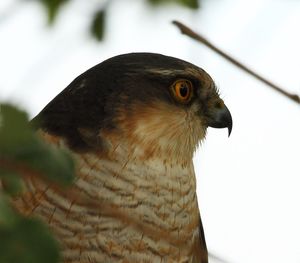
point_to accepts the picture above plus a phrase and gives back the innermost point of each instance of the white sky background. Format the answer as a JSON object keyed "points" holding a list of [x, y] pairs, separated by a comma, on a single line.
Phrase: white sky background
{"points": [[249, 184]]}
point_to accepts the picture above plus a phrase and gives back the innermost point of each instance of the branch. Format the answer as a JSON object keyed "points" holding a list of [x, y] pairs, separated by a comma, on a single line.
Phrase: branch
{"points": [[189, 32]]}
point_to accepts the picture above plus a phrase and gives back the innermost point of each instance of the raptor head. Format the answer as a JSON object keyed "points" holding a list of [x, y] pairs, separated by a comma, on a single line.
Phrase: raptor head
{"points": [[156, 104]]}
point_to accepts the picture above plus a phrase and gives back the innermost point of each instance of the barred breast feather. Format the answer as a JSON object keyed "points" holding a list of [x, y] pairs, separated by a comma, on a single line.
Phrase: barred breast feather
{"points": [[120, 209]]}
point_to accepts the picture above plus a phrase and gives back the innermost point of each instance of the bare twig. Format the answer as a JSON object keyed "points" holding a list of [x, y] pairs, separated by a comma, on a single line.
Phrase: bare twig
{"points": [[189, 32]]}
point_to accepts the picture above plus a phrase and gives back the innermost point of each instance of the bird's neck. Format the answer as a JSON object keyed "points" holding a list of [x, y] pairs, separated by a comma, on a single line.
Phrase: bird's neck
{"points": [[153, 199], [159, 191], [143, 210]]}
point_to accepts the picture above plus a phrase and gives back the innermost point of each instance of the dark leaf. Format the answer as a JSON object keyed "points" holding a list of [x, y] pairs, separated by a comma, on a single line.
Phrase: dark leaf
{"points": [[22, 151], [98, 24], [194, 4], [14, 130], [8, 217], [52, 7], [12, 184], [190, 3], [28, 241], [54, 163]]}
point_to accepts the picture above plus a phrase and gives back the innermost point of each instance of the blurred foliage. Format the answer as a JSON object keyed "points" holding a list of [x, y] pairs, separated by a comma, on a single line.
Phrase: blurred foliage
{"points": [[20, 145], [194, 4], [26, 241], [23, 153], [97, 24], [52, 7]]}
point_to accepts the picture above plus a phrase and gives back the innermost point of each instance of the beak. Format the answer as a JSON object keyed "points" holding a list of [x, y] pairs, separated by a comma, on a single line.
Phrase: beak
{"points": [[220, 118]]}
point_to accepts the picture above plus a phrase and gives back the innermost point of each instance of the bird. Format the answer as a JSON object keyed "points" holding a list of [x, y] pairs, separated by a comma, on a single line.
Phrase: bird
{"points": [[132, 123]]}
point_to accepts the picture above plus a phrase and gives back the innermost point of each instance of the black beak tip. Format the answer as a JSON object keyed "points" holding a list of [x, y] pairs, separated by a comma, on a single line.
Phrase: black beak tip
{"points": [[221, 119], [229, 127], [227, 120]]}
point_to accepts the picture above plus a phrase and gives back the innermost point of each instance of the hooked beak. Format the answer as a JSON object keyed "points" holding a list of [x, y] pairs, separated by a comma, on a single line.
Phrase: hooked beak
{"points": [[220, 118]]}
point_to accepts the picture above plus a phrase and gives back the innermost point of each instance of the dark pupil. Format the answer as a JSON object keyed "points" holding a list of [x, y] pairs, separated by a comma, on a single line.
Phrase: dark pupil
{"points": [[183, 91]]}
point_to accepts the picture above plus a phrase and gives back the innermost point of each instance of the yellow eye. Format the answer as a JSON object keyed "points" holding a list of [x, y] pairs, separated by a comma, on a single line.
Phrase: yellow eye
{"points": [[182, 90]]}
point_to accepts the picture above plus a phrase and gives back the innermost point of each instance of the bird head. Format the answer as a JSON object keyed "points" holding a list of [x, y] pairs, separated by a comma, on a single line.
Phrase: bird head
{"points": [[152, 104]]}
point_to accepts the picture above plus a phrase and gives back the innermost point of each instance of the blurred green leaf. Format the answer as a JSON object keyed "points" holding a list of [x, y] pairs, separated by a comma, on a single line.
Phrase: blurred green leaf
{"points": [[12, 184], [194, 4], [8, 217], [98, 24], [22, 150], [54, 163], [14, 129], [24, 240], [52, 7], [190, 3], [28, 241]]}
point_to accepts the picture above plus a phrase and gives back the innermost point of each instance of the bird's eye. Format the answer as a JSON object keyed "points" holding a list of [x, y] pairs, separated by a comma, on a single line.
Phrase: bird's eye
{"points": [[182, 90]]}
